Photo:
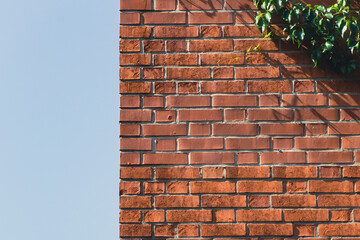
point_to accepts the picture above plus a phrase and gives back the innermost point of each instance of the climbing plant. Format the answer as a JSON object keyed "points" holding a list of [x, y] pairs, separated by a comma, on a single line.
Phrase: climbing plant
{"points": [[330, 33]]}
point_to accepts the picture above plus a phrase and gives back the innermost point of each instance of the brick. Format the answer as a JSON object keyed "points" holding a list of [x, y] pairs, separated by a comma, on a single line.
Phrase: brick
{"points": [[259, 201], [223, 201], [258, 215], [188, 87], [130, 46], [164, 230], [265, 45], [269, 115], [256, 58], [154, 188], [129, 73], [269, 86], [224, 215], [222, 87], [129, 130], [282, 157], [303, 100], [154, 216], [200, 115], [315, 128], [127, 115], [176, 32], [239, 129], [294, 201], [208, 230], [356, 215], [135, 173], [270, 229], [164, 130], [135, 32], [153, 46], [183, 216], [257, 72], [223, 73], [234, 114], [346, 100], [188, 101], [129, 101], [247, 172], [153, 73], [212, 172], [176, 46], [247, 143], [339, 201], [241, 31], [165, 116], [177, 173], [282, 143], [340, 215], [129, 188], [176, 201], [165, 144], [294, 172], [349, 114], [335, 86], [135, 4], [129, 158], [259, 187], [331, 186], [222, 59], [316, 114], [269, 100], [130, 216], [305, 86], [352, 171], [188, 230], [199, 129], [188, 73], [135, 87], [165, 158], [239, 4], [177, 187], [175, 59], [214, 17], [212, 187], [247, 158], [302, 72], [129, 18], [245, 17], [289, 58], [135, 202], [212, 158], [295, 187], [210, 31], [234, 101], [224, 45], [164, 87], [135, 59], [344, 128], [130, 230], [330, 157], [135, 144], [313, 215], [153, 101], [169, 5], [196, 5], [316, 142], [164, 18], [343, 229], [330, 172], [305, 230], [200, 143], [282, 129]]}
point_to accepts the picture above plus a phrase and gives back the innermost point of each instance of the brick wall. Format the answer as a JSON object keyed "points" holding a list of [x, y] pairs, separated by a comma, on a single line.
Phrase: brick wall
{"points": [[217, 142]]}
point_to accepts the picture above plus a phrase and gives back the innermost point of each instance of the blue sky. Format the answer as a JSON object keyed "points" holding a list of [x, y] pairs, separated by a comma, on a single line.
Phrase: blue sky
{"points": [[59, 119]]}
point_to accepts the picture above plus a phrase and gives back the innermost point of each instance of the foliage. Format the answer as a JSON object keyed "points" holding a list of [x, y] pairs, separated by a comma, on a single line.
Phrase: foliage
{"points": [[330, 34]]}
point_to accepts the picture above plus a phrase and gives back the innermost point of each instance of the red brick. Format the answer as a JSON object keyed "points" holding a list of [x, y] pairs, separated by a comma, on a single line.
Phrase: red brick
{"points": [[257, 72], [222, 59], [241, 31], [259, 187], [153, 73], [129, 158], [247, 172], [223, 73], [247, 158], [164, 230], [269, 115], [239, 4], [164, 18], [234, 101], [188, 73], [199, 129], [302, 72], [270, 229], [129, 101], [212, 158], [138, 115], [304, 100], [294, 172], [165, 5], [210, 31], [130, 230], [165, 116], [176, 201], [242, 129], [256, 58], [135, 202], [225, 230], [258, 215], [269, 100], [316, 114], [165, 144], [175, 59], [176, 46], [247, 143], [200, 143], [212, 172], [344, 128], [282, 157], [224, 45], [234, 114], [129, 73], [356, 215], [135, 144], [316, 128], [214, 17], [341, 229], [135, 32], [130, 216], [331, 186], [222, 87], [282, 143], [130, 46], [282, 129], [200, 5], [135, 172], [153, 101], [154, 46], [165, 158], [135, 87], [295, 187], [245, 17], [212, 187], [164, 87], [129, 18], [135, 4], [200, 115], [269, 86], [349, 114], [340, 215], [154, 216], [344, 100], [330, 172], [295, 201], [176, 32], [223, 201], [129, 188], [187, 101], [313, 215], [264, 45], [165, 130], [316, 142], [129, 130], [188, 230], [224, 215], [177, 187], [339, 201], [154, 188], [188, 87], [177, 173], [334, 86], [352, 171], [135, 59], [182, 216], [289, 58], [330, 157], [304, 86], [258, 201], [305, 230]]}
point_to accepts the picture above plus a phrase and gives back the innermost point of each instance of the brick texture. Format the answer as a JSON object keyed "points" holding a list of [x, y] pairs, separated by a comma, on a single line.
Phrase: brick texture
{"points": [[217, 142]]}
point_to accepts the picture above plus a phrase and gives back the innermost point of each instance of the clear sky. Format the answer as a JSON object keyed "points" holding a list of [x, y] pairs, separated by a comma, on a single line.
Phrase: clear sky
{"points": [[59, 163]]}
